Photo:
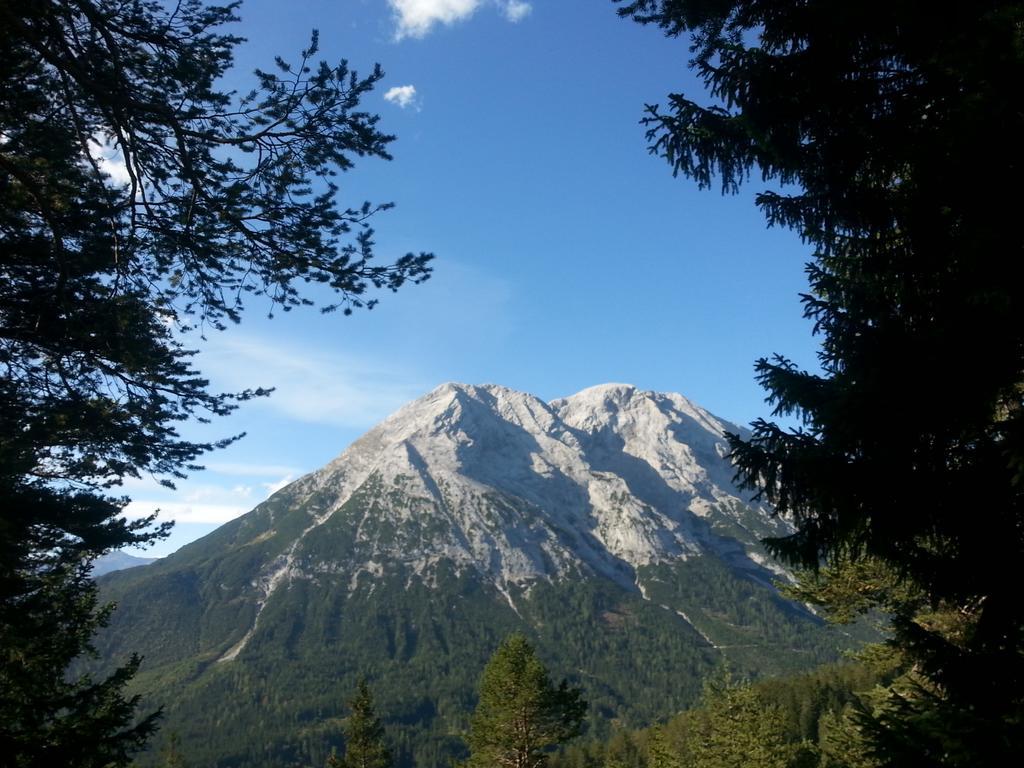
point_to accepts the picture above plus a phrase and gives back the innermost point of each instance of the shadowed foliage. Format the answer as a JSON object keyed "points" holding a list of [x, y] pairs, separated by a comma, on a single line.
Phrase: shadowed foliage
{"points": [[139, 202], [889, 130]]}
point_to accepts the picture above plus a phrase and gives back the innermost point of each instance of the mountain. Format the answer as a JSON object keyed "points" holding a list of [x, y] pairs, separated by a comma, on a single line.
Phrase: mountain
{"points": [[118, 561], [605, 525]]}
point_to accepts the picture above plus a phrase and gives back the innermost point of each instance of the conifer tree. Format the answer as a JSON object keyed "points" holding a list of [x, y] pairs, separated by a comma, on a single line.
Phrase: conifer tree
{"points": [[46, 717], [623, 751], [365, 745], [889, 130], [738, 730], [521, 715], [172, 754], [659, 753]]}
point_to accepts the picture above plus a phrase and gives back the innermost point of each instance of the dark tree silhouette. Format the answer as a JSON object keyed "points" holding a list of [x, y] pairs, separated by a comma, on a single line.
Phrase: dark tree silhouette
{"points": [[213, 199], [891, 130]]}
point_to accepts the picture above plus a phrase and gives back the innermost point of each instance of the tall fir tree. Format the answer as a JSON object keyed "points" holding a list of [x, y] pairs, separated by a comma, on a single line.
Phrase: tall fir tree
{"points": [[139, 202], [521, 714], [659, 752], [739, 730], [365, 744], [890, 129]]}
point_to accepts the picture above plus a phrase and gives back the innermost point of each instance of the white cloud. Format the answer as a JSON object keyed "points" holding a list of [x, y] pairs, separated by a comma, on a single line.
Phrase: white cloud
{"points": [[208, 502], [402, 95], [186, 512], [272, 488], [311, 385], [516, 10], [240, 469], [417, 17], [238, 495]]}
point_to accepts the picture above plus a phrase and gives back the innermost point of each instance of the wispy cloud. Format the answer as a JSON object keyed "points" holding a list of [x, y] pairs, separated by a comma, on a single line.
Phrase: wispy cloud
{"points": [[241, 469], [402, 95], [516, 10], [416, 18], [186, 512], [310, 385], [272, 488], [210, 503]]}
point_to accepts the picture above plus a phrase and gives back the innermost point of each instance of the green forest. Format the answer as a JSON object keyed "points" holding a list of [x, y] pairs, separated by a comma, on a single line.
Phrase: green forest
{"points": [[808, 720], [634, 660], [521, 718]]}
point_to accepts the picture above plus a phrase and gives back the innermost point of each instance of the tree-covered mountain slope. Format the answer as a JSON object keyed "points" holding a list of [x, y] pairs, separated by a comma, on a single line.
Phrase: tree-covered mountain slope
{"points": [[605, 526]]}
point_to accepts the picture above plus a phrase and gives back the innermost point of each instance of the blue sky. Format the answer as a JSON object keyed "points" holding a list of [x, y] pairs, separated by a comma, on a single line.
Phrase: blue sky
{"points": [[567, 256]]}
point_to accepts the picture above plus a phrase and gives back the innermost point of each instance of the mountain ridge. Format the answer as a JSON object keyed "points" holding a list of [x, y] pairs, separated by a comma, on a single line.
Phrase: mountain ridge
{"points": [[571, 443], [117, 561], [604, 525]]}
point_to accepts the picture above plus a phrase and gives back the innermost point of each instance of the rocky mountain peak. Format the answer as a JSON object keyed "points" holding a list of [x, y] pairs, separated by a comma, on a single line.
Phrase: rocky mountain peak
{"points": [[600, 482]]}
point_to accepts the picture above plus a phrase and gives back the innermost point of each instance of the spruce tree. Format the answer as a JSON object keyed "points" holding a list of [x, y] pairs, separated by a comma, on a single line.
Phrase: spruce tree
{"points": [[739, 730], [660, 753], [889, 130], [365, 745], [521, 714]]}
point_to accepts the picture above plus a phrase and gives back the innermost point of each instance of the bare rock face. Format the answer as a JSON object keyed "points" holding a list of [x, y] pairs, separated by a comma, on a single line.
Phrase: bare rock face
{"points": [[520, 490]]}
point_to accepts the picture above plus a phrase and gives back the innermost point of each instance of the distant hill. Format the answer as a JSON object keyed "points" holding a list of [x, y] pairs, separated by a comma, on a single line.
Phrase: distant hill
{"points": [[606, 526], [118, 561]]}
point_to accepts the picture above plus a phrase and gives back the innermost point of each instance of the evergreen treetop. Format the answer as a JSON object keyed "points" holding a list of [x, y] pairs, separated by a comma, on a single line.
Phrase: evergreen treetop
{"points": [[521, 715], [365, 745]]}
